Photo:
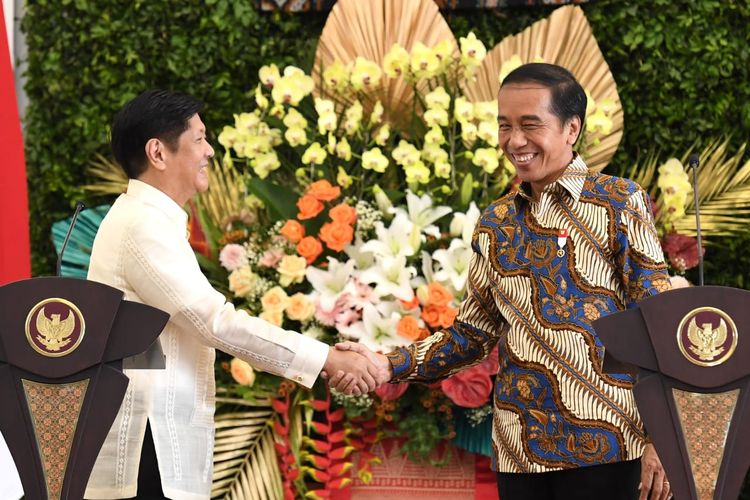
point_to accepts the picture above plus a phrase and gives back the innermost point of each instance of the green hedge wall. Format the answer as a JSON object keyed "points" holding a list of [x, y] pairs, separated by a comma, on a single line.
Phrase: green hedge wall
{"points": [[682, 67]]}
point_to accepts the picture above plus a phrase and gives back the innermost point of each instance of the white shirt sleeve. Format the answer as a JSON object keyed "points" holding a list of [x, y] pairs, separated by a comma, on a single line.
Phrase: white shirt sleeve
{"points": [[161, 268]]}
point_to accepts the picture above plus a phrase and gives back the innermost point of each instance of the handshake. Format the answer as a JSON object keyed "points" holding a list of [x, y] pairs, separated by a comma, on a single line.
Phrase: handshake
{"points": [[353, 369]]}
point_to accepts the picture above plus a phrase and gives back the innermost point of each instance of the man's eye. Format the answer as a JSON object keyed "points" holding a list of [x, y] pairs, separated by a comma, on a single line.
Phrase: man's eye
{"points": [[531, 126], [504, 127]]}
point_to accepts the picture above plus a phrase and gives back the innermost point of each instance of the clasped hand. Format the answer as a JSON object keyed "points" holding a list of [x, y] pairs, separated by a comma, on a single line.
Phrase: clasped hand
{"points": [[354, 369]]}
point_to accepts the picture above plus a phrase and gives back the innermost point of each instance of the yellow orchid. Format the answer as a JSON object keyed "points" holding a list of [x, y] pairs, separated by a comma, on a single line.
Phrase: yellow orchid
{"points": [[246, 122], [396, 61], [353, 118], [444, 52], [326, 122], [292, 87], [405, 153], [260, 99], [473, 51], [331, 147], [382, 135], [590, 103], [442, 170], [463, 110], [607, 105], [323, 106], [424, 63], [228, 136], [365, 74], [377, 113], [276, 137], [434, 136], [436, 117], [469, 132], [508, 66], [438, 98], [486, 111], [295, 136], [598, 121], [487, 159], [488, 132], [343, 150], [295, 119], [434, 153], [343, 179], [336, 76], [315, 154], [417, 173], [269, 75], [265, 163], [373, 159], [257, 144], [277, 111]]}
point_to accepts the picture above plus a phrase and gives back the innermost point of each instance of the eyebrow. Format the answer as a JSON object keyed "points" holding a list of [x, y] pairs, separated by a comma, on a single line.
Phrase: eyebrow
{"points": [[523, 118]]}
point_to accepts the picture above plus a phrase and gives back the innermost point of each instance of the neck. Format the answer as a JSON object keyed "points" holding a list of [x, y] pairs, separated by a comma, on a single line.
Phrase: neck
{"points": [[537, 187], [155, 179]]}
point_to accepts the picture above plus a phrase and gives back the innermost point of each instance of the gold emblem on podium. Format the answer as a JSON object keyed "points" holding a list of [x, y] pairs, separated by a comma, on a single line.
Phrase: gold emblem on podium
{"points": [[707, 336], [55, 327]]}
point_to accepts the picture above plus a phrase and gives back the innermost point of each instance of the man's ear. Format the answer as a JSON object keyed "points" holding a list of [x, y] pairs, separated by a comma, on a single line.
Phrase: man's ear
{"points": [[155, 153], [574, 130]]}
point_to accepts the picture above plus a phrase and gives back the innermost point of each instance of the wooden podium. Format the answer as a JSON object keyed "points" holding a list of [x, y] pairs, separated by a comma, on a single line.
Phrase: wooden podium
{"points": [[690, 349], [62, 344]]}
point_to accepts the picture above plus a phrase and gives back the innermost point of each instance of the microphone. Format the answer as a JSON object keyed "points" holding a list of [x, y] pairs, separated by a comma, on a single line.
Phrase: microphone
{"points": [[79, 206], [693, 162]]}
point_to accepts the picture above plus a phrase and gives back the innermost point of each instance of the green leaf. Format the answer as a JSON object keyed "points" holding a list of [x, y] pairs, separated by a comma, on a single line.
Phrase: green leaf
{"points": [[279, 200], [467, 188]]}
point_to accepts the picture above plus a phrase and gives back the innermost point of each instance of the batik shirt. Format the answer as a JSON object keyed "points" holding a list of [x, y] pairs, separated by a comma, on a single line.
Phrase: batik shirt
{"points": [[535, 295]]}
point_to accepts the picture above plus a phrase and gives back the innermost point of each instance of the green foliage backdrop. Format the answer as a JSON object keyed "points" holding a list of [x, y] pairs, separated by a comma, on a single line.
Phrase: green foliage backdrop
{"points": [[682, 67]]}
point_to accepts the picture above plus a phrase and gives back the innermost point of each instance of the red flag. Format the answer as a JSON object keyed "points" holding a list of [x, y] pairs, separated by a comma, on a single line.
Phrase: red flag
{"points": [[15, 261]]}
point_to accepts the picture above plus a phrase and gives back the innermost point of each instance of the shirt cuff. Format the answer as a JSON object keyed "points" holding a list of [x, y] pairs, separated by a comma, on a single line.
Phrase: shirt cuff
{"points": [[308, 361]]}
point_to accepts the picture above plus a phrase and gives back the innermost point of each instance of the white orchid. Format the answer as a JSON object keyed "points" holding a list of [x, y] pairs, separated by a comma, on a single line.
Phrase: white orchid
{"points": [[330, 284], [422, 214], [392, 277]]}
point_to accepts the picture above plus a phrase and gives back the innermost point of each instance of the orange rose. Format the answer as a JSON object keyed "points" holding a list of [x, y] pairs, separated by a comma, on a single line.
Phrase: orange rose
{"points": [[336, 235], [309, 247], [431, 315], [438, 295], [293, 231], [343, 213], [447, 316], [408, 327], [309, 207], [323, 191]]}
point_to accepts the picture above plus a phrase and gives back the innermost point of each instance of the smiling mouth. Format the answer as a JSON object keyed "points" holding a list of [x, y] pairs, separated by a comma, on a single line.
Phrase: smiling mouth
{"points": [[522, 158]]}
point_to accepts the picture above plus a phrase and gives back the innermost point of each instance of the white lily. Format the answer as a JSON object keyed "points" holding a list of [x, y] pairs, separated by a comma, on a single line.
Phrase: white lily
{"points": [[362, 257], [454, 266], [392, 277], [330, 284], [463, 224], [422, 214], [377, 329], [397, 240]]}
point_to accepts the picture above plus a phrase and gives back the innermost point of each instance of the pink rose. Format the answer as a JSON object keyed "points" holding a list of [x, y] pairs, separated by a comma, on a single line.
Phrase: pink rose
{"points": [[271, 258], [469, 388], [233, 256], [390, 392]]}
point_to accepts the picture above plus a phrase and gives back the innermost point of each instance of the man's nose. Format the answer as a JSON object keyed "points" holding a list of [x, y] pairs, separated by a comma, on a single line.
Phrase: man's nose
{"points": [[210, 153], [517, 137]]}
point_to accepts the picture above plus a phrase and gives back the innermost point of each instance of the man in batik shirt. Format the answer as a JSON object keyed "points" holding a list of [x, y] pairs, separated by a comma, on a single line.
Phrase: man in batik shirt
{"points": [[568, 247]]}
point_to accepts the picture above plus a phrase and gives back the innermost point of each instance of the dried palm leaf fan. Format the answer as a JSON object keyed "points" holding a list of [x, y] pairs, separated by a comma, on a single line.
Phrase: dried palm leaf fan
{"points": [[565, 38], [368, 29], [724, 192]]}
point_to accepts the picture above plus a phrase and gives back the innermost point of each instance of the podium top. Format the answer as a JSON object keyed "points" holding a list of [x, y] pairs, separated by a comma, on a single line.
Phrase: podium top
{"points": [[698, 335], [55, 327]]}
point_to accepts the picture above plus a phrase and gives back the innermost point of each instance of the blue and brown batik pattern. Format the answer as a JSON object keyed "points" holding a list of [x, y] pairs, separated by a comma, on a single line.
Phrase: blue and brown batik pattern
{"points": [[554, 407]]}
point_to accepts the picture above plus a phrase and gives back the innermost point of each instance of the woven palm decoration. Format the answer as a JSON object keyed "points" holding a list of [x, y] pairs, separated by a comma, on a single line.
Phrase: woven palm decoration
{"points": [[564, 38], [75, 262]]}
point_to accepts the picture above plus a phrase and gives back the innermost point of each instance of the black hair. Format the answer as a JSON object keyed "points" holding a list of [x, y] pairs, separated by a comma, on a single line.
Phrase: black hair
{"points": [[154, 114], [568, 99]]}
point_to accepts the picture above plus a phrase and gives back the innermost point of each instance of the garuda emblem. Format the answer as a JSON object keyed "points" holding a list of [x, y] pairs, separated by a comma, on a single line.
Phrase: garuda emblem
{"points": [[707, 336], [54, 327]]}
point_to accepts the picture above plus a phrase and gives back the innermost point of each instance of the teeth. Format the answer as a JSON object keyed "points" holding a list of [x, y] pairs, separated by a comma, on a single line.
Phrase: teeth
{"points": [[526, 157]]}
